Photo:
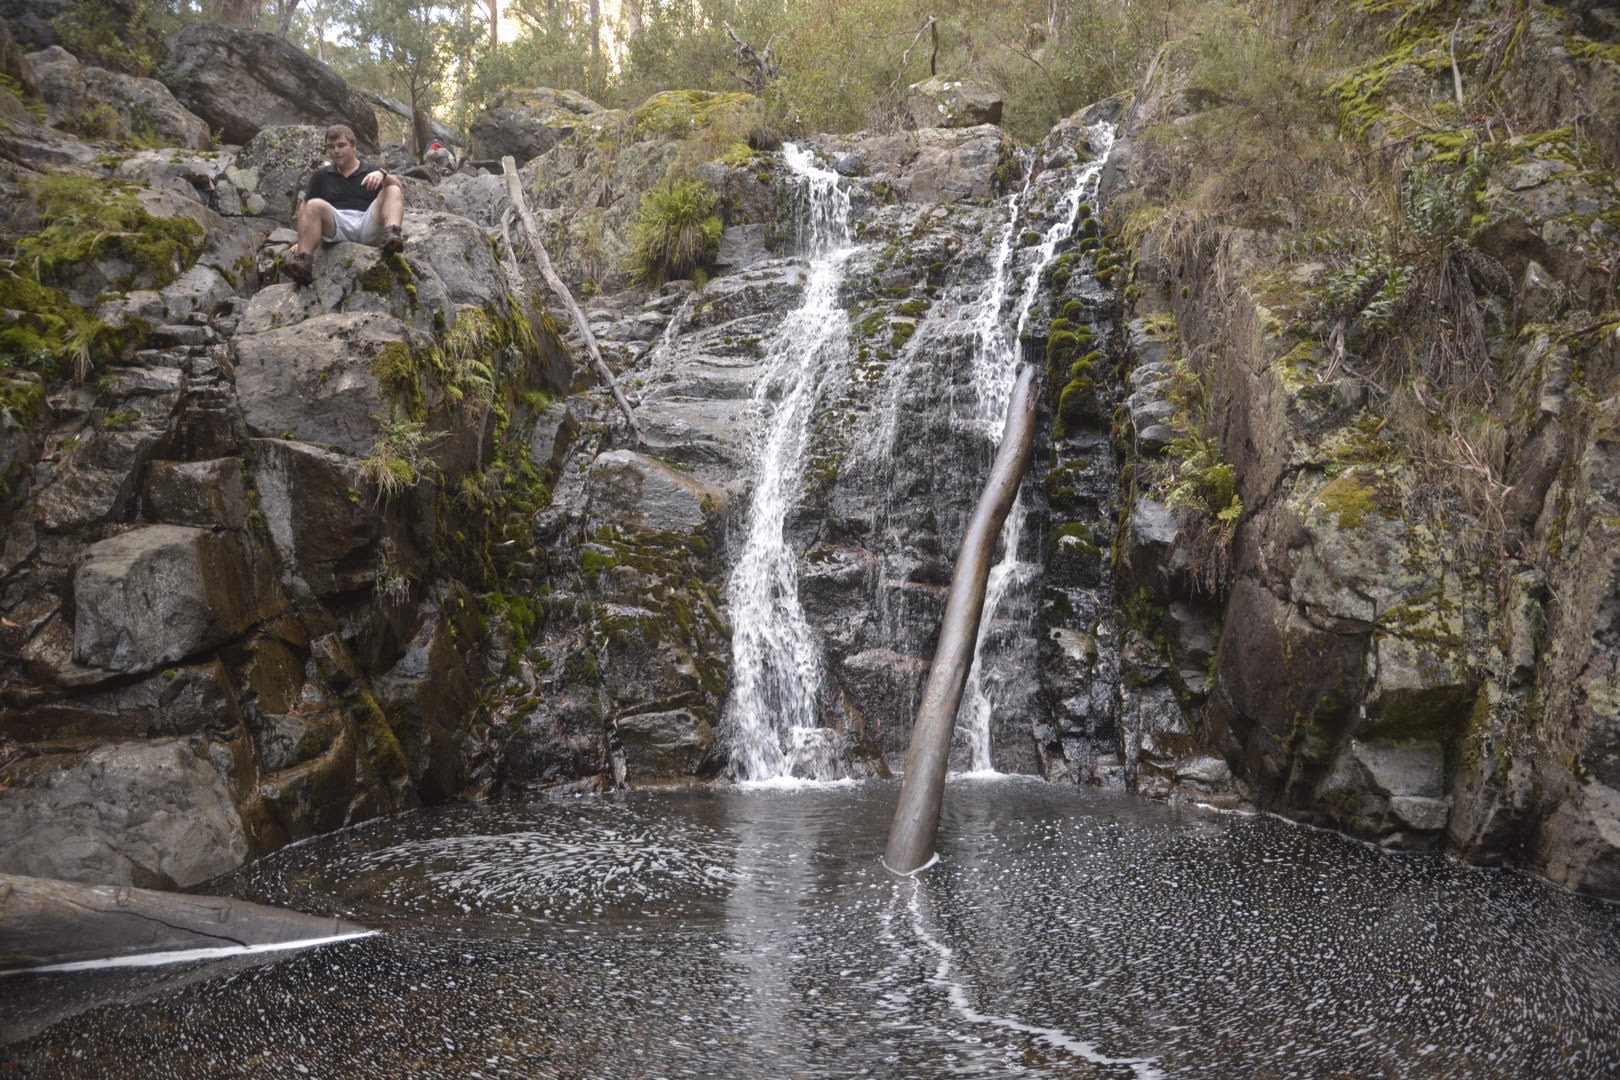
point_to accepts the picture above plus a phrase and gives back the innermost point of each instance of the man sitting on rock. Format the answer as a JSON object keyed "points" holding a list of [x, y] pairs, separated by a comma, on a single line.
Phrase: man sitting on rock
{"points": [[346, 200]]}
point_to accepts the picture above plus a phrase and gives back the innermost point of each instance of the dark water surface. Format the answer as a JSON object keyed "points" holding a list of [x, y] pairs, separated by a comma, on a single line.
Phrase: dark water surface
{"points": [[730, 933]]}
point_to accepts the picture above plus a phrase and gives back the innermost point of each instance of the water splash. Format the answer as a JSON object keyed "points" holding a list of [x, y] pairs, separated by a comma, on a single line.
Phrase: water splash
{"points": [[995, 366], [776, 660]]}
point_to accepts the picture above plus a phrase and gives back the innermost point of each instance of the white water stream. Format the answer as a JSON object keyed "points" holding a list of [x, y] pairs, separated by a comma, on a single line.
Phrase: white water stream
{"points": [[996, 358], [776, 662]]}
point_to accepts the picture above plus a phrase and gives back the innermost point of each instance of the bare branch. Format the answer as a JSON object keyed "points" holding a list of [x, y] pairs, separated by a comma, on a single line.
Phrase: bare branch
{"points": [[537, 248], [932, 25]]}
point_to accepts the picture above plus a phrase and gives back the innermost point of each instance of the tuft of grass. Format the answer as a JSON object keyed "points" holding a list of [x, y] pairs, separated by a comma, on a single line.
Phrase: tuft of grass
{"points": [[675, 230], [399, 458]]}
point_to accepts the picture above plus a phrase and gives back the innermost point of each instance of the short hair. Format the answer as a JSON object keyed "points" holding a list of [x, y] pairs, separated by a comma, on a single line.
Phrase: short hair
{"points": [[340, 131]]}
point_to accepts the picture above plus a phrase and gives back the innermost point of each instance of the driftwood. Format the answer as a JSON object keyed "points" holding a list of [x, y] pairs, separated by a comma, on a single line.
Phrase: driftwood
{"points": [[531, 231], [916, 816], [45, 921], [758, 61]]}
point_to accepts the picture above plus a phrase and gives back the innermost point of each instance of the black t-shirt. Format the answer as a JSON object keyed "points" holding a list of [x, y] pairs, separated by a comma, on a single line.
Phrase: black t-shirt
{"points": [[343, 192]]}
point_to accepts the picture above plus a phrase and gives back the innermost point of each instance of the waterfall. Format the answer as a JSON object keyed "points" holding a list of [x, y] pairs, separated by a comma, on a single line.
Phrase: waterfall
{"points": [[995, 364], [776, 664]]}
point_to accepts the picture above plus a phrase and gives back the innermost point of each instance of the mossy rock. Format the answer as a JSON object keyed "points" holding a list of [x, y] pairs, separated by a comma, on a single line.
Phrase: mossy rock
{"points": [[724, 118]]}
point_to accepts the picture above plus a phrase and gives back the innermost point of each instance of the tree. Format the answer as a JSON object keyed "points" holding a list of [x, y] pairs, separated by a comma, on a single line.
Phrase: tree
{"points": [[409, 46]]}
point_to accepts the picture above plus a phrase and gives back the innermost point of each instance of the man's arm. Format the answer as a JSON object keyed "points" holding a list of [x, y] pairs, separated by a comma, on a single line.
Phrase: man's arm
{"points": [[377, 179]]}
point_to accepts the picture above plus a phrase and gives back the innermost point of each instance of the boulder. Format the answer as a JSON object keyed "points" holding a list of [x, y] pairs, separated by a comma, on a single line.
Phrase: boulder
{"points": [[153, 814], [241, 81], [111, 103], [1380, 789], [313, 380], [526, 123], [268, 176], [460, 253], [201, 493], [664, 744], [635, 493], [31, 22], [952, 103], [1580, 840], [160, 593], [192, 174], [321, 527], [934, 165], [354, 278], [478, 196]]}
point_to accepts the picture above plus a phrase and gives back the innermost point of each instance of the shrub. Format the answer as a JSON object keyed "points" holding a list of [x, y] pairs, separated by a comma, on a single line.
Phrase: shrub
{"points": [[674, 231]]}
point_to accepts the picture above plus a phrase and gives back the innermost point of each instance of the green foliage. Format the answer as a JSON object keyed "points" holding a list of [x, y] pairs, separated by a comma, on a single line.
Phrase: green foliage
{"points": [[408, 47], [399, 458], [675, 229], [839, 65], [121, 35], [1439, 203], [80, 220]]}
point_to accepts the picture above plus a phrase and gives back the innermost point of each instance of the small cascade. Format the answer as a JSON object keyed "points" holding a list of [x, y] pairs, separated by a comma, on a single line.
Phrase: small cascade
{"points": [[776, 664], [1000, 326]]}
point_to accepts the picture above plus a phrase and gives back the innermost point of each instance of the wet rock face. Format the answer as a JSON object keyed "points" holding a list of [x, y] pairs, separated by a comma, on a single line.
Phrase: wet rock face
{"points": [[155, 814], [154, 595], [891, 470]]}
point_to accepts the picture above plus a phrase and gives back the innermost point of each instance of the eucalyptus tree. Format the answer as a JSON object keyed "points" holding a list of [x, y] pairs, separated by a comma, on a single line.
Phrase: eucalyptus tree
{"points": [[408, 48]]}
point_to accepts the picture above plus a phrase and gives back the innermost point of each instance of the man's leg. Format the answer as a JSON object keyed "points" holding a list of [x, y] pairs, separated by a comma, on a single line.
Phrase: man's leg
{"points": [[384, 218], [393, 205], [315, 223], [315, 220]]}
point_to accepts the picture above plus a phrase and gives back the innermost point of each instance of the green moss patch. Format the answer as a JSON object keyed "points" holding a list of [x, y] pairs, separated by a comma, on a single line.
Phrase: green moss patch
{"points": [[98, 220]]}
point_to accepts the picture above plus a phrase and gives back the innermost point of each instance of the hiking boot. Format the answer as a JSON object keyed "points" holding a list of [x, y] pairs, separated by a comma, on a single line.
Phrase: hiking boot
{"points": [[393, 240], [300, 267]]}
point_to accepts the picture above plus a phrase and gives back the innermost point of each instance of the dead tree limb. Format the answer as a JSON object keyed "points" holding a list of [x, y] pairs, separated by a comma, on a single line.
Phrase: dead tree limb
{"points": [[531, 231], [759, 62], [916, 815], [930, 27]]}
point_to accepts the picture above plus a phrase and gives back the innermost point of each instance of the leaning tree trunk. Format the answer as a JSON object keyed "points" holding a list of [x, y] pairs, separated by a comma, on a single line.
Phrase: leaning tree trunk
{"points": [[537, 248], [916, 816]]}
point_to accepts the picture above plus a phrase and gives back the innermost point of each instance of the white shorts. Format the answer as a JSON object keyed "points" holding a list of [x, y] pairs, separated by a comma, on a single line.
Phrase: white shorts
{"points": [[365, 226]]}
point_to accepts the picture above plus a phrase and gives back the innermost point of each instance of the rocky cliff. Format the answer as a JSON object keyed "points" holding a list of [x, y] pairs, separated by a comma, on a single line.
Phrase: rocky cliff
{"points": [[247, 526], [1369, 552], [280, 559]]}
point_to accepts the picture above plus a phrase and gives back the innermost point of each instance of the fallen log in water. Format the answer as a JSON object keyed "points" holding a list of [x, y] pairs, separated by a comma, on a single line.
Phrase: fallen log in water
{"points": [[45, 921], [916, 816]]}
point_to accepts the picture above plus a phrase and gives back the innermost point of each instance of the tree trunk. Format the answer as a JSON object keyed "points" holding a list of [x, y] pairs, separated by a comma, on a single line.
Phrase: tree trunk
{"points": [[916, 815]]}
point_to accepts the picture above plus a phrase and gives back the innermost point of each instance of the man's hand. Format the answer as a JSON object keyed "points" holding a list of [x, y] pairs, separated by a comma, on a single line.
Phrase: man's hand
{"points": [[374, 179]]}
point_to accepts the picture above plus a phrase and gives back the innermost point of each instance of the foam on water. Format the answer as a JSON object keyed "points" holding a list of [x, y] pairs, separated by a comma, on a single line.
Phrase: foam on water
{"points": [[1064, 933]]}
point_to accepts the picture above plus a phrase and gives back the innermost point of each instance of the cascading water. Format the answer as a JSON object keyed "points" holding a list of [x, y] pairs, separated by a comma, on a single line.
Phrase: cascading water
{"points": [[995, 365], [776, 664]]}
